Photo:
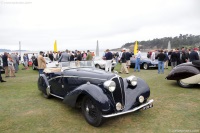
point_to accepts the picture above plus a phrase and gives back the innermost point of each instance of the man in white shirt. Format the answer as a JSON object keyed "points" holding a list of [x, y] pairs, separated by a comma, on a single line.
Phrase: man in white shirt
{"points": [[137, 63]]}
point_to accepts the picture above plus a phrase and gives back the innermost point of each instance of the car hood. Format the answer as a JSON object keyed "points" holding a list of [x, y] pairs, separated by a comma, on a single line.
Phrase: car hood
{"points": [[89, 73]]}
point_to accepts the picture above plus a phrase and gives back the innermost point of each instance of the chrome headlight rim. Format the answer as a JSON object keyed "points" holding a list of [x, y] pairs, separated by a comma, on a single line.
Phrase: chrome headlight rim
{"points": [[132, 80], [110, 85]]}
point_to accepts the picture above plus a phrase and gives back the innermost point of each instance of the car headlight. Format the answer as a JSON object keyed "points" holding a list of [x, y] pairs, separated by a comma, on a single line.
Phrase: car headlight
{"points": [[110, 85], [141, 99], [132, 80]]}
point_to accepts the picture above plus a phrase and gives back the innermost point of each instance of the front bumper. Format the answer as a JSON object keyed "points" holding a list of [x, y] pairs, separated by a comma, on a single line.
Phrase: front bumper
{"points": [[129, 111]]}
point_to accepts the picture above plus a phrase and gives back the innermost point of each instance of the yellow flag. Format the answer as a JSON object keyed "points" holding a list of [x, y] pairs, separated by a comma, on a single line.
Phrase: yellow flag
{"points": [[55, 47], [135, 48]]}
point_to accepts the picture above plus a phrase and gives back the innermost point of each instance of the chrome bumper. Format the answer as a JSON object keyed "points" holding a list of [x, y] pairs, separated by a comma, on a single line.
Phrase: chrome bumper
{"points": [[129, 111]]}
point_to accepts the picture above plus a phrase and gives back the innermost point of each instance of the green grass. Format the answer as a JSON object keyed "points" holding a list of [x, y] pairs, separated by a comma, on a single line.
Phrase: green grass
{"points": [[23, 108]]}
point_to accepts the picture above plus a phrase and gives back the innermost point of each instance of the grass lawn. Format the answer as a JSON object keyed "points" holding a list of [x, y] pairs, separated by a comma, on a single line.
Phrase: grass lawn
{"points": [[23, 108]]}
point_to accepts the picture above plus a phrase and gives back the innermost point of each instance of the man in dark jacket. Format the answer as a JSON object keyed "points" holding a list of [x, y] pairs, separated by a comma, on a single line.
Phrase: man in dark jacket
{"points": [[5, 63], [194, 55], [108, 58], [184, 57], [173, 58], [123, 61], [161, 57]]}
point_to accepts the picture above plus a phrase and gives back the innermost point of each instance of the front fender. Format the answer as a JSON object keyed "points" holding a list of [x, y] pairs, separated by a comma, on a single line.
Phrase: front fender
{"points": [[182, 72], [93, 91]]}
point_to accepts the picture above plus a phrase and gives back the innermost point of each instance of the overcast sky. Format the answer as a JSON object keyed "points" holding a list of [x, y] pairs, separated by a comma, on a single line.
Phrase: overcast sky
{"points": [[78, 24]]}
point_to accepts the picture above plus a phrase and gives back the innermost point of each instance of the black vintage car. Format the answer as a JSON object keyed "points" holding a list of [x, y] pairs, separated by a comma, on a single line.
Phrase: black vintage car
{"points": [[186, 74], [98, 93]]}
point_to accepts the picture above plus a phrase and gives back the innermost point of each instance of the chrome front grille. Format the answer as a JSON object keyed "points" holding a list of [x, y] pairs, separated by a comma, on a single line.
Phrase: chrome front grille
{"points": [[119, 94]]}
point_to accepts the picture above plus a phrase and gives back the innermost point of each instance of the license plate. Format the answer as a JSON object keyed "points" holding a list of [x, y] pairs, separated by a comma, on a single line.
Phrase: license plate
{"points": [[147, 106]]}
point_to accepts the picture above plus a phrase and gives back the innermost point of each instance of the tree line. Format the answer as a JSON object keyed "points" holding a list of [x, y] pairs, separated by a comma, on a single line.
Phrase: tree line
{"points": [[188, 41]]}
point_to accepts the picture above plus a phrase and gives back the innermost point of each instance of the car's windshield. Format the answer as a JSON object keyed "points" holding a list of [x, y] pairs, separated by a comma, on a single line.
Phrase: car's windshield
{"points": [[76, 64]]}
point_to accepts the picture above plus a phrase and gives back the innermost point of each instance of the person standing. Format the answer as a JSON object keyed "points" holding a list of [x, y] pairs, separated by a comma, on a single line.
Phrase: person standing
{"points": [[161, 57], [194, 55], [173, 58], [123, 62], [184, 56], [41, 62], [11, 66], [64, 56], [166, 60], [89, 56], [1, 79], [137, 63], [108, 58], [5, 63], [128, 57], [25, 61]]}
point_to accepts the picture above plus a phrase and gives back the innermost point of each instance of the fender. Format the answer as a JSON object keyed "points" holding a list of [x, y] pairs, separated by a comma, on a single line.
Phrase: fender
{"points": [[94, 92], [182, 72], [46, 81]]}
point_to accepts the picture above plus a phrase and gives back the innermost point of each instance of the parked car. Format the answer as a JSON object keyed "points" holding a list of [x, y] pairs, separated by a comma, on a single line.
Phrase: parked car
{"points": [[48, 62], [145, 63], [98, 93], [186, 74], [1, 65], [100, 63]]}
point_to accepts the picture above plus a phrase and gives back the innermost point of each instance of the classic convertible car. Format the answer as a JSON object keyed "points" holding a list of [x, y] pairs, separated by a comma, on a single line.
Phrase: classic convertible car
{"points": [[98, 93], [145, 63], [186, 74]]}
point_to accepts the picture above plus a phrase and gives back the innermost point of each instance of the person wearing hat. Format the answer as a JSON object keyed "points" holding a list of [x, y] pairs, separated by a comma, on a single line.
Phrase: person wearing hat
{"points": [[123, 61], [108, 58], [41, 62], [194, 55]]}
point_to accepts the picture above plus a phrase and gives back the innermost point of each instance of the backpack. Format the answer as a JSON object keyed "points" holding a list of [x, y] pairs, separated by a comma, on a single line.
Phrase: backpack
{"points": [[35, 62]]}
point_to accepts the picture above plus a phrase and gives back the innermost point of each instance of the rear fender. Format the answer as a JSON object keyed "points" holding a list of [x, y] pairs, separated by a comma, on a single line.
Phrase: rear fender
{"points": [[94, 92], [182, 72]]}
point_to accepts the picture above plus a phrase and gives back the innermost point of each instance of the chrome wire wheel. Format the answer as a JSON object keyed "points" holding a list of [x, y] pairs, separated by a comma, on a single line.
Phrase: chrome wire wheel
{"points": [[91, 112]]}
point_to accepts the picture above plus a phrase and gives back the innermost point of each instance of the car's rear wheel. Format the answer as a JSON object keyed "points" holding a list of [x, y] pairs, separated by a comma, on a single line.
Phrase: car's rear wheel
{"points": [[91, 112], [145, 66], [184, 85]]}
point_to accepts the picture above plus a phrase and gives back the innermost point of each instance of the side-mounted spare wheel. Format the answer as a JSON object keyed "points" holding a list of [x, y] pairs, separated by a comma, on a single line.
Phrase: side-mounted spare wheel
{"points": [[184, 85], [91, 112]]}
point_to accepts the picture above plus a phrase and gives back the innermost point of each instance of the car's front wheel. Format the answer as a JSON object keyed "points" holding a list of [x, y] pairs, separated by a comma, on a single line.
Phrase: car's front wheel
{"points": [[184, 85], [97, 66], [45, 89], [91, 112]]}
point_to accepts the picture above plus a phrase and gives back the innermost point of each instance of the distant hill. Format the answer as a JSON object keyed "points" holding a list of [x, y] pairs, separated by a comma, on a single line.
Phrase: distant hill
{"points": [[8, 50], [188, 41]]}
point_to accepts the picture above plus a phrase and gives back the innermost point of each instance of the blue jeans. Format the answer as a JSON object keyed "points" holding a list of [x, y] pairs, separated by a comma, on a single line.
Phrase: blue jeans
{"points": [[41, 71], [137, 64], [160, 66]]}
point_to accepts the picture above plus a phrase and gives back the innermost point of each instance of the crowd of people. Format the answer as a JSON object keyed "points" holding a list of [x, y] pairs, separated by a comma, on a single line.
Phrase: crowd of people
{"points": [[174, 57]]}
